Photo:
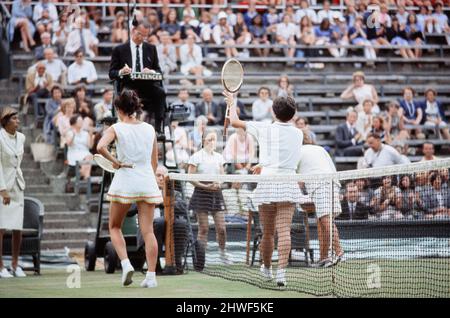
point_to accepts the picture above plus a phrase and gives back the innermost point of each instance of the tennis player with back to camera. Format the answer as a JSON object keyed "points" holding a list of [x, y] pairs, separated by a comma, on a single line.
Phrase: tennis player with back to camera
{"points": [[133, 182], [315, 160], [280, 147]]}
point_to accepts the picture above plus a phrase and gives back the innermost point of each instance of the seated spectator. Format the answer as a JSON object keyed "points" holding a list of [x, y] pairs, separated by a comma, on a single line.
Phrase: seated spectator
{"points": [[181, 146], [81, 39], [262, 107], [437, 201], [206, 28], [365, 119], [383, 17], [386, 201], [428, 152], [240, 150], [324, 34], [167, 54], [397, 36], [285, 36], [348, 140], [61, 33], [307, 37], [259, 34], [251, 13], [183, 99], [209, 108], [425, 20], [105, 107], [412, 110], [401, 15], [46, 41], [326, 13], [242, 113], [352, 206], [79, 141], [350, 14], [62, 119], [284, 88], [44, 16], [81, 71], [440, 19], [191, 61], [379, 128], [38, 84], [196, 135], [304, 10], [223, 35], [360, 91], [55, 66], [119, 32], [242, 36], [302, 124], [153, 22], [188, 26], [376, 32], [52, 107], [410, 203], [171, 26], [394, 123], [21, 18], [380, 155], [271, 19], [434, 114], [84, 107], [445, 176], [415, 34], [358, 36], [364, 190], [339, 36]]}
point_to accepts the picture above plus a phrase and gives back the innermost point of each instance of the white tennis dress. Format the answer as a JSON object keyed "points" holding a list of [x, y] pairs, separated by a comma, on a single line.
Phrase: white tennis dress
{"points": [[134, 145]]}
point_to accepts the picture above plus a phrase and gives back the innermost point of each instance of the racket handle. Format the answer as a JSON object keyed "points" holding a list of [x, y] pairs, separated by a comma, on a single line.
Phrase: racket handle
{"points": [[225, 126]]}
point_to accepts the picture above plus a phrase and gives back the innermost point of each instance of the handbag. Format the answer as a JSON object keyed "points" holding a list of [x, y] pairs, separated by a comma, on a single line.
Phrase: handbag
{"points": [[42, 151]]}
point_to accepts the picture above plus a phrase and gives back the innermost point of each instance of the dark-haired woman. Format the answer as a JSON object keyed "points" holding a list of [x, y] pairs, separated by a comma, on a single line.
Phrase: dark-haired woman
{"points": [[134, 182], [12, 185], [279, 145], [410, 202]]}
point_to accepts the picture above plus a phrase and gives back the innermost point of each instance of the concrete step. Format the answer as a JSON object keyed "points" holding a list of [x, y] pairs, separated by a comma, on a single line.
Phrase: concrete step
{"points": [[61, 223], [61, 215], [53, 207], [32, 189], [29, 164], [46, 197], [31, 173], [36, 180], [68, 234], [61, 244]]}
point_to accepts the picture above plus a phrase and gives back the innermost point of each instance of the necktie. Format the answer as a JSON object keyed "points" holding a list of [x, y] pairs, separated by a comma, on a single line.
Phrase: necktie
{"points": [[138, 60], [83, 44], [352, 210], [411, 109]]}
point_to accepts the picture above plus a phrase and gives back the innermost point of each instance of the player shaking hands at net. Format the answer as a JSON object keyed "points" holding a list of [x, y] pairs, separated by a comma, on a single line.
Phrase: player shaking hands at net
{"points": [[280, 147]]}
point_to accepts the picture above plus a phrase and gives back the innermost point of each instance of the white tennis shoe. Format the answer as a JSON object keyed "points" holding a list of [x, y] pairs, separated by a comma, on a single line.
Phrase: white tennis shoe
{"points": [[266, 272], [4, 273], [18, 272], [281, 277], [127, 275], [149, 283]]}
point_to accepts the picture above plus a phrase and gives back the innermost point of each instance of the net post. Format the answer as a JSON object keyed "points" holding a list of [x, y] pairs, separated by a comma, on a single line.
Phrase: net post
{"points": [[249, 237], [169, 198], [333, 277]]}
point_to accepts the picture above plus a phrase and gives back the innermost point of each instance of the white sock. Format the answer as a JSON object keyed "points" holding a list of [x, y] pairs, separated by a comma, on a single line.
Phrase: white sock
{"points": [[126, 263], [150, 275]]}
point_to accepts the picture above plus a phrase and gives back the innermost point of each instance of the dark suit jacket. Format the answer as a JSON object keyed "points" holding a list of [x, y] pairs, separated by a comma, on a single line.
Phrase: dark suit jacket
{"points": [[216, 111], [406, 110], [343, 137], [361, 212]]}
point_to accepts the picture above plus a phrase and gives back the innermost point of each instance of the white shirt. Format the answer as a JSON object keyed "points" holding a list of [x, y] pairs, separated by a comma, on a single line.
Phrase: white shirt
{"points": [[310, 13], [261, 110], [386, 156], [55, 68], [38, 8], [315, 160], [322, 14], [133, 56], [74, 41], [217, 34], [287, 30], [207, 163], [77, 72], [279, 144], [192, 60]]}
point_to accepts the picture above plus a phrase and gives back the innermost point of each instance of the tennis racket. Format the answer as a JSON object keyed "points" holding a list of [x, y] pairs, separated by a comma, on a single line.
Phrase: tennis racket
{"points": [[104, 163], [232, 79]]}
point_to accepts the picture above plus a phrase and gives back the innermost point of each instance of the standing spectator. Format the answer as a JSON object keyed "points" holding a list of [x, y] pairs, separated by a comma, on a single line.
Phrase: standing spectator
{"points": [[365, 119], [412, 110], [223, 35], [437, 201], [284, 88], [428, 152], [104, 108], [79, 141], [191, 60], [119, 32], [21, 18], [285, 36], [348, 140], [81, 71], [262, 107], [63, 119], [196, 135], [352, 206], [44, 15], [81, 39], [38, 84], [380, 155], [305, 10], [434, 113], [46, 41], [52, 107], [397, 36], [394, 123], [259, 34], [183, 99], [12, 186], [240, 150], [410, 203], [358, 36], [209, 108], [386, 202], [167, 54], [360, 91]]}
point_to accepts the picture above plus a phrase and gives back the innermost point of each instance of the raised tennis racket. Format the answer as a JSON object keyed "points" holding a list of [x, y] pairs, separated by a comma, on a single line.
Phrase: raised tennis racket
{"points": [[232, 79]]}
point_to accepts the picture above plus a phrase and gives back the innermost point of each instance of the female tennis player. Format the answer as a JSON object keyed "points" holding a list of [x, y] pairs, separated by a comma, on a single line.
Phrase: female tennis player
{"points": [[134, 182], [279, 144]]}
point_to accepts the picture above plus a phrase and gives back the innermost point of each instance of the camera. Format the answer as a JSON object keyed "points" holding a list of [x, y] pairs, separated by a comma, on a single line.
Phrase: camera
{"points": [[178, 112]]}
